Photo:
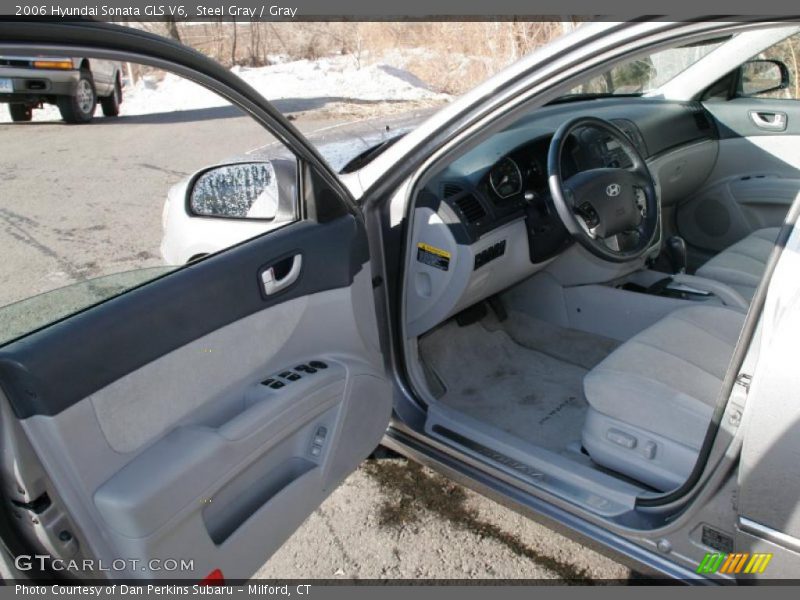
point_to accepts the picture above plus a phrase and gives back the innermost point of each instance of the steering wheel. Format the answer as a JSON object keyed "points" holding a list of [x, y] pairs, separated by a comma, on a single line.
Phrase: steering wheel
{"points": [[598, 204]]}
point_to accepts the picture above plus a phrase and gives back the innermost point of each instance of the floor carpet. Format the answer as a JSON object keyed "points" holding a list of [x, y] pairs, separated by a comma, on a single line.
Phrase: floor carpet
{"points": [[522, 375]]}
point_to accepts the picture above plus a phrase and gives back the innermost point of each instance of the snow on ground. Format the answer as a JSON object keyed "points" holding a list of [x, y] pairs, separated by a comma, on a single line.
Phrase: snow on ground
{"points": [[329, 79]]}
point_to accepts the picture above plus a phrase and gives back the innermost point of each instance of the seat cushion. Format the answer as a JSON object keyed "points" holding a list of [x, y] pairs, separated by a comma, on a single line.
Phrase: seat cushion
{"points": [[742, 265], [659, 390]]}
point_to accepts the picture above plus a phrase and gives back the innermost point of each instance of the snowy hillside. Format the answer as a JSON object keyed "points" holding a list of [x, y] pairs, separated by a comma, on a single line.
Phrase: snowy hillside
{"points": [[332, 79]]}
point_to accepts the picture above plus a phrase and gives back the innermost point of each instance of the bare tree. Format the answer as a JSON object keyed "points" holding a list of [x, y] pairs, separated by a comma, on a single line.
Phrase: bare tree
{"points": [[793, 54], [257, 55], [233, 44], [449, 56], [567, 25], [172, 29]]}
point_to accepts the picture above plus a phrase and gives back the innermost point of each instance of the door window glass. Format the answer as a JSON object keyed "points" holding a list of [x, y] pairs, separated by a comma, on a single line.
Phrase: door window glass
{"points": [[117, 174]]}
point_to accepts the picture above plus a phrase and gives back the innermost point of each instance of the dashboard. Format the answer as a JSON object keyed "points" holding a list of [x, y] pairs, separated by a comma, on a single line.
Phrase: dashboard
{"points": [[525, 169], [485, 221], [515, 185]]}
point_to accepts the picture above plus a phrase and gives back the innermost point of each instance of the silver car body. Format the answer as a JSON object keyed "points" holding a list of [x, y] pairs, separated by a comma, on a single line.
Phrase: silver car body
{"points": [[743, 496]]}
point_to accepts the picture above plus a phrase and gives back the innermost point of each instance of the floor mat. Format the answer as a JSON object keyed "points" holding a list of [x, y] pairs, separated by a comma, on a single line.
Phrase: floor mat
{"points": [[528, 393], [570, 345]]}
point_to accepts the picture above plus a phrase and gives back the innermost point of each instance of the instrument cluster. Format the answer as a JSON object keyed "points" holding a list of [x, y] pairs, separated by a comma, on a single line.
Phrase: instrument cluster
{"points": [[523, 171]]}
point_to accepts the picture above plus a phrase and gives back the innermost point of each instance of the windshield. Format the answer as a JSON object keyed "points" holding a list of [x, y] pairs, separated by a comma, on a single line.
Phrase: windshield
{"points": [[644, 74]]}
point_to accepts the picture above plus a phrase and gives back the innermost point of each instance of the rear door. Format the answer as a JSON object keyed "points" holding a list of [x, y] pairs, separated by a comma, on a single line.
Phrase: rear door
{"points": [[757, 173], [184, 428]]}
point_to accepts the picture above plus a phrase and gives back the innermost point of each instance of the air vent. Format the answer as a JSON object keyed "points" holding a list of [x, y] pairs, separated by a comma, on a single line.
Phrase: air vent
{"points": [[470, 208], [700, 116], [451, 189], [702, 120]]}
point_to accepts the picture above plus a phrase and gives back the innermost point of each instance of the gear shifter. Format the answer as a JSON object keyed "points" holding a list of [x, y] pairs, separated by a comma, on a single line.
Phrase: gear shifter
{"points": [[676, 252]]}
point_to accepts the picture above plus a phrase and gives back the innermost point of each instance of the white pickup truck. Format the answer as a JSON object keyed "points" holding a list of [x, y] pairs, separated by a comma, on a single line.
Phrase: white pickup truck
{"points": [[74, 84]]}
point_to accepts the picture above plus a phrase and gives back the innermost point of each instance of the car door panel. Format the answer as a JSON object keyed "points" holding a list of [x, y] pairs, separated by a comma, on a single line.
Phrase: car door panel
{"points": [[148, 322], [722, 213], [754, 180], [203, 415], [189, 454]]}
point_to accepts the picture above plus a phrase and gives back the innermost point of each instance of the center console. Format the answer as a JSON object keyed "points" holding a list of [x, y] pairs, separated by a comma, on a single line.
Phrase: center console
{"points": [[682, 286]]}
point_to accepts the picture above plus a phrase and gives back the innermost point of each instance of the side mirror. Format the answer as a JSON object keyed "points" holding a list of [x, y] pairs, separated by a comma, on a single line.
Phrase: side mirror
{"points": [[247, 190], [763, 76]]}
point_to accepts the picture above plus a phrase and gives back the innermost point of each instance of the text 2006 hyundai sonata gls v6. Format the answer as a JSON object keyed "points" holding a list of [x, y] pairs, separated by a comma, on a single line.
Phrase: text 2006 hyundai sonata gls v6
{"points": [[574, 289]]}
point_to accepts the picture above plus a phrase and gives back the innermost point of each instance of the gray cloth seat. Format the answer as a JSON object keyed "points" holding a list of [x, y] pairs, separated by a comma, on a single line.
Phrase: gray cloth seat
{"points": [[742, 265], [651, 400]]}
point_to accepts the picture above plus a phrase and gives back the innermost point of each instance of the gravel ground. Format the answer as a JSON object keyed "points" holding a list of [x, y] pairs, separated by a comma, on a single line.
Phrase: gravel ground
{"points": [[395, 519]]}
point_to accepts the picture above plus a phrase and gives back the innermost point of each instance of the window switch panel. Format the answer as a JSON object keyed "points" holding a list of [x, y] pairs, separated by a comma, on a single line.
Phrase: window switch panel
{"points": [[285, 377]]}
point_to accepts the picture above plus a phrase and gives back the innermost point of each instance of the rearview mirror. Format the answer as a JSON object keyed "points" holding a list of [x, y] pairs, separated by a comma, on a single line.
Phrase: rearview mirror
{"points": [[763, 76], [238, 191]]}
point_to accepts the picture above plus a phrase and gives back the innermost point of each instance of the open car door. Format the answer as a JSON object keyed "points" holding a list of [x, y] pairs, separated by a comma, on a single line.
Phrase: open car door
{"points": [[188, 426]]}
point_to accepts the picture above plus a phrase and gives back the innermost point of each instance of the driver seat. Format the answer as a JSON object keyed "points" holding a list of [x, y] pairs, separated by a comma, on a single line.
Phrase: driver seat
{"points": [[651, 400]]}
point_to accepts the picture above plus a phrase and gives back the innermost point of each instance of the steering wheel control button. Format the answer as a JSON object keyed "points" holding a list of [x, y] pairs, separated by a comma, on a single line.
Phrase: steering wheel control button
{"points": [[276, 385], [290, 375], [317, 364], [589, 215]]}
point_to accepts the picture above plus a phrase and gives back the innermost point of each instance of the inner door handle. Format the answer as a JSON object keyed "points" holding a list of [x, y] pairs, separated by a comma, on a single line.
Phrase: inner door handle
{"points": [[772, 121], [273, 283]]}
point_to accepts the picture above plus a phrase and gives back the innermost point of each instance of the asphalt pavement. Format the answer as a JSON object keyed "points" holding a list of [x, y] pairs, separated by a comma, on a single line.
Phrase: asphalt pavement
{"points": [[82, 201], [79, 202]]}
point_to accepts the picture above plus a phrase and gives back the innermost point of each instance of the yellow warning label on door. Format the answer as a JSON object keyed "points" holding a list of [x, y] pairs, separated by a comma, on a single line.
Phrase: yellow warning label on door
{"points": [[433, 250], [432, 256]]}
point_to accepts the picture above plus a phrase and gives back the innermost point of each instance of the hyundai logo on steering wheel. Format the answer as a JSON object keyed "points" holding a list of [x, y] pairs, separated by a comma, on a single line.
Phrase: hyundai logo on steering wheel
{"points": [[614, 189]]}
